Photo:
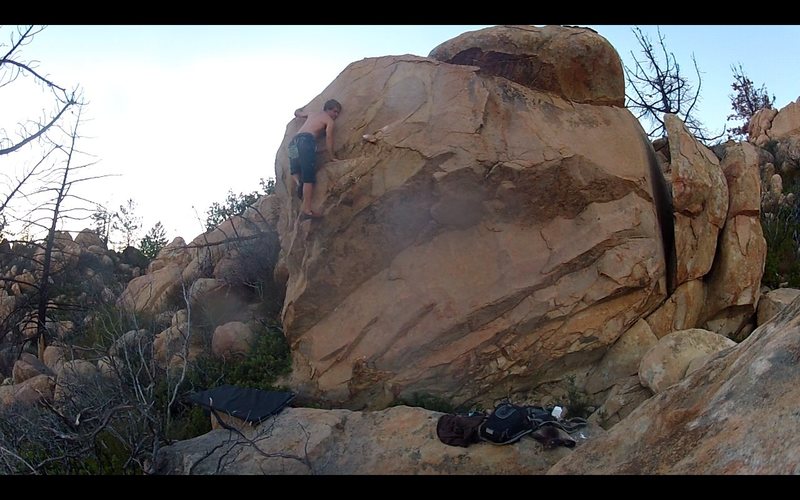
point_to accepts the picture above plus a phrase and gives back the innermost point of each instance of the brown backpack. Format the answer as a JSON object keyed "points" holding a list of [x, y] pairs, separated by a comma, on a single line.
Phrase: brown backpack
{"points": [[459, 430]]}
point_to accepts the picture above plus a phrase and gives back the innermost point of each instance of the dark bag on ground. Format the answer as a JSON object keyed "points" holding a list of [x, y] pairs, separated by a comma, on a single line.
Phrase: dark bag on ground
{"points": [[507, 424], [459, 430]]}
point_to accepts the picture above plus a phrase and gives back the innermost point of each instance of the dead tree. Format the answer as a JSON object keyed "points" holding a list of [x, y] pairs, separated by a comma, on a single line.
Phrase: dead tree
{"points": [[108, 420], [61, 191], [42, 164], [27, 131], [656, 86], [11, 68], [52, 205]]}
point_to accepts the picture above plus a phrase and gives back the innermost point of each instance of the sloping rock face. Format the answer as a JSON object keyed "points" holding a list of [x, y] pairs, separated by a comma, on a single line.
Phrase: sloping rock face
{"points": [[668, 361], [399, 440], [574, 63], [772, 302], [735, 415], [489, 238]]}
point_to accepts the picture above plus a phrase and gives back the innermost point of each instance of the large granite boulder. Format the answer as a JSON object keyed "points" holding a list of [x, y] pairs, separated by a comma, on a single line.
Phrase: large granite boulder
{"points": [[484, 237]]}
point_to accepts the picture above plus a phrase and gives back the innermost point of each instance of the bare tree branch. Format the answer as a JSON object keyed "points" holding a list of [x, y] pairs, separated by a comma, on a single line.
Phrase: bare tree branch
{"points": [[39, 132], [26, 68], [656, 87]]}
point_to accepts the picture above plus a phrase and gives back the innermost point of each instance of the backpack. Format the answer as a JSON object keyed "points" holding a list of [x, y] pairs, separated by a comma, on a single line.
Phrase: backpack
{"points": [[459, 430], [507, 424]]}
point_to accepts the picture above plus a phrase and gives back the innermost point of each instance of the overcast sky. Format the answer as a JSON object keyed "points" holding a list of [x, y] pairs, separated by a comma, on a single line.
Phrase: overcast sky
{"points": [[185, 113]]}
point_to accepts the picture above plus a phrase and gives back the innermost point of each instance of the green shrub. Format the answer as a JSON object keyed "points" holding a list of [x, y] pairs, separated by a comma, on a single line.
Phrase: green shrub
{"points": [[112, 457], [236, 204], [782, 234], [578, 404], [106, 322], [269, 360], [429, 402], [192, 422], [772, 146]]}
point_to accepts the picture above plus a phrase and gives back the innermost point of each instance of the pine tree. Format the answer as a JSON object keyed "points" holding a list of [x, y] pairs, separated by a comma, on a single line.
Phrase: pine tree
{"points": [[236, 204], [127, 222], [102, 219], [746, 101], [154, 241]]}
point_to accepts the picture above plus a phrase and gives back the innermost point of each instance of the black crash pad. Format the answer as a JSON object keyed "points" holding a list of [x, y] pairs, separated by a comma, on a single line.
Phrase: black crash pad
{"points": [[251, 405]]}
